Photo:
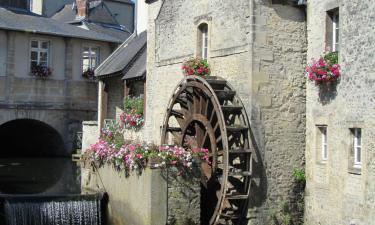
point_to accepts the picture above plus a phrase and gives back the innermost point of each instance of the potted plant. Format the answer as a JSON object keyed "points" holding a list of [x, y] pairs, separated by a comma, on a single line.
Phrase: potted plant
{"points": [[88, 73], [41, 71], [196, 66], [324, 70]]}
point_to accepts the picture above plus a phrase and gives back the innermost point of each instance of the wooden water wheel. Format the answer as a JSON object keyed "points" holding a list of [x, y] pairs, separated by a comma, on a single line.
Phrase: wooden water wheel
{"points": [[208, 113]]}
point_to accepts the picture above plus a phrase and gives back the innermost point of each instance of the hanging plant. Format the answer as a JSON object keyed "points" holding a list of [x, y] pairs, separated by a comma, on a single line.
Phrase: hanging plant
{"points": [[324, 70], [41, 71], [88, 73], [196, 66]]}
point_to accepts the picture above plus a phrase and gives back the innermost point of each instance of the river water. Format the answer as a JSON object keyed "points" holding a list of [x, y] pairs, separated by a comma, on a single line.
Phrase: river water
{"points": [[45, 191]]}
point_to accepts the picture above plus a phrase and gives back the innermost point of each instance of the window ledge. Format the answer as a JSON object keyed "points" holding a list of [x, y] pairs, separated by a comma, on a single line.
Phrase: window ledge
{"points": [[322, 162], [355, 170]]}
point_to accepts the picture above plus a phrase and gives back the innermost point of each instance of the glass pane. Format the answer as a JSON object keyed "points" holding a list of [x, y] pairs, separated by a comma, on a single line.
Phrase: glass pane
{"points": [[85, 64], [33, 63], [43, 56], [34, 44], [325, 155], [43, 63], [359, 137], [34, 55], [93, 62], [358, 152], [44, 45], [94, 51]]}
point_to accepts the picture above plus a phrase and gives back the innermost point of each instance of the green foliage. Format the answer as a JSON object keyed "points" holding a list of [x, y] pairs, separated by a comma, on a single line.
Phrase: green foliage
{"points": [[332, 57], [134, 105], [299, 176]]}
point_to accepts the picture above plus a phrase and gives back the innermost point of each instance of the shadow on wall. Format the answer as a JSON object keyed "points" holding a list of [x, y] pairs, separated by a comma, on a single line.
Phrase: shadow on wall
{"points": [[288, 10], [259, 185], [327, 92]]}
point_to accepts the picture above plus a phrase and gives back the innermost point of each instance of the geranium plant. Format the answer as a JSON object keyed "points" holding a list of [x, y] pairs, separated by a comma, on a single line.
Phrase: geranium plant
{"points": [[132, 117], [41, 71], [88, 73], [325, 69], [196, 66]]}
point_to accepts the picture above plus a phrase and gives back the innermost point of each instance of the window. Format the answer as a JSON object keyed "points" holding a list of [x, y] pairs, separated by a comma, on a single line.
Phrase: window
{"points": [[336, 29], [333, 30], [39, 53], [321, 143], [357, 145], [324, 149], [90, 58], [202, 41]]}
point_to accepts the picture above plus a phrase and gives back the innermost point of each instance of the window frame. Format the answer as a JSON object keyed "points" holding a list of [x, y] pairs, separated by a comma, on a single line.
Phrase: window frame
{"points": [[335, 31], [39, 50], [357, 148], [90, 56], [332, 34], [324, 143], [203, 41]]}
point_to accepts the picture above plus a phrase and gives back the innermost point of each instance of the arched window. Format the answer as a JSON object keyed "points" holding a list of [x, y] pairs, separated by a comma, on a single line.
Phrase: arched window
{"points": [[202, 48]]}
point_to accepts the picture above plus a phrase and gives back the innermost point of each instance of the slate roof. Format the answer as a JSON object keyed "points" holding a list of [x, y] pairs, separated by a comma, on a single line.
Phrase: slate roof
{"points": [[35, 24], [138, 68], [113, 31], [66, 14], [125, 56]]}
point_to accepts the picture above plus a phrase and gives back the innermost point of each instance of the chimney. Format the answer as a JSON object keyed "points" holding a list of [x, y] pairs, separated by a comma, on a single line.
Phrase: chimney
{"points": [[82, 8]]}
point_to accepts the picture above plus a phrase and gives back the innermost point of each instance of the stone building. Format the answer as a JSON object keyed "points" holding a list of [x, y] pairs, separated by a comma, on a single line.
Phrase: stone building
{"points": [[47, 112], [258, 47], [340, 117]]}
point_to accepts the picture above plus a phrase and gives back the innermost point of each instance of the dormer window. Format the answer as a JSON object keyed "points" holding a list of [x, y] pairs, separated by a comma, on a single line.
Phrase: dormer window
{"points": [[202, 48]]}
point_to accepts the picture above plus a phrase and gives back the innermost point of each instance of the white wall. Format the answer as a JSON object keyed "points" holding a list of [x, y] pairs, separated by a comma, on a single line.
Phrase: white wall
{"points": [[141, 16], [37, 6]]}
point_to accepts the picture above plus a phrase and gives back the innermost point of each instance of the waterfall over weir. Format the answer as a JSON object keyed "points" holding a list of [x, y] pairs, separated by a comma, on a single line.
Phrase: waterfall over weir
{"points": [[85, 209]]}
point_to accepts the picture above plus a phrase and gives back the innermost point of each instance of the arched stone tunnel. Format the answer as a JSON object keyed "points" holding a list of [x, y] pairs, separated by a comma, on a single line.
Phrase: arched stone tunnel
{"points": [[33, 159]]}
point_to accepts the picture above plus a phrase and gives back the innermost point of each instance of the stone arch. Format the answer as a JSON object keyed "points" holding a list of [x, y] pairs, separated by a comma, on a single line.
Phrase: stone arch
{"points": [[24, 138], [32, 159]]}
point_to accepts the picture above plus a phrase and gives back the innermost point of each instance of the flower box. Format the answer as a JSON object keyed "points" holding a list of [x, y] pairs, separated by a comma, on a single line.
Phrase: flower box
{"points": [[196, 66], [41, 71], [324, 70], [88, 74]]}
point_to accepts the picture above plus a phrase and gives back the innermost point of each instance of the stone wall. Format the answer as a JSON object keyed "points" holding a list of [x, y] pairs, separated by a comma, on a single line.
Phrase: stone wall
{"points": [[63, 100], [153, 197], [336, 194], [115, 96], [260, 49]]}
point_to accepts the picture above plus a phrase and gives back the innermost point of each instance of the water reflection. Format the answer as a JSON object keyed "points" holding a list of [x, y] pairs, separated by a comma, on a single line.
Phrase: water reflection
{"points": [[39, 176]]}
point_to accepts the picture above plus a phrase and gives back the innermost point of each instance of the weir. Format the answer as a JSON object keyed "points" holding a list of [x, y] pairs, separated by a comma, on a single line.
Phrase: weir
{"points": [[81, 209]]}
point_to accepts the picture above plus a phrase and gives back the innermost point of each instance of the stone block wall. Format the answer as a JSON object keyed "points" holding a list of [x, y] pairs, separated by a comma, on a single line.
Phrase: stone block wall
{"points": [[335, 193], [260, 48]]}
